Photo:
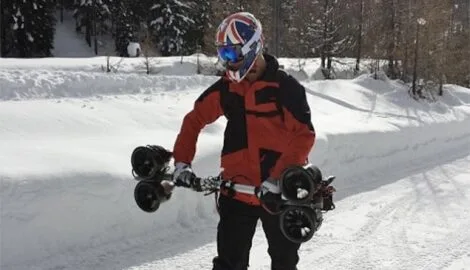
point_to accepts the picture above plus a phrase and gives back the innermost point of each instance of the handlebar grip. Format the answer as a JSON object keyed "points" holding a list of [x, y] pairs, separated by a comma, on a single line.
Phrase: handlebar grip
{"points": [[196, 184], [167, 176]]}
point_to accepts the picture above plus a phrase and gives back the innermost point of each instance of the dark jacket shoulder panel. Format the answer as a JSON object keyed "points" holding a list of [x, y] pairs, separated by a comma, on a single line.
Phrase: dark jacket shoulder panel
{"points": [[217, 86], [293, 97]]}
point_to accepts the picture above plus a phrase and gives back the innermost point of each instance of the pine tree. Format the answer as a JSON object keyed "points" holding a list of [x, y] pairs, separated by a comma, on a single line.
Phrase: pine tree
{"points": [[140, 11], [289, 19], [33, 28], [126, 30], [88, 12], [331, 31], [131, 20], [459, 43], [200, 13], [170, 23], [5, 27], [360, 31]]}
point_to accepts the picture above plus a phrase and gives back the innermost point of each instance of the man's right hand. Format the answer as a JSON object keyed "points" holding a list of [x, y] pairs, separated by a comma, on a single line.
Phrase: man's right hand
{"points": [[183, 175]]}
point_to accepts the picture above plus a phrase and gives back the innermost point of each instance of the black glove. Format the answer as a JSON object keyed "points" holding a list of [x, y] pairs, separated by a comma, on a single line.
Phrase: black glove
{"points": [[183, 175]]}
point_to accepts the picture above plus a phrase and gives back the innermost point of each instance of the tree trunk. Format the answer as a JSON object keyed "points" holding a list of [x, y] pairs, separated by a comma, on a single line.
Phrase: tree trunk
{"points": [[407, 44], [325, 34], [359, 37], [2, 32], [62, 11], [415, 65], [95, 34], [328, 66], [441, 85], [468, 15], [391, 44], [88, 26]]}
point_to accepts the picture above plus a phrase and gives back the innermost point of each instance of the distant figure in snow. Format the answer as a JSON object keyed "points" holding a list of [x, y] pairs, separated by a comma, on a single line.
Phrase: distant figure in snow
{"points": [[133, 49]]}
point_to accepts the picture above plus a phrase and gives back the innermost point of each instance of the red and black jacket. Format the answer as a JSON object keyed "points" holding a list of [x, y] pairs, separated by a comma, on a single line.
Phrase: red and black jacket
{"points": [[268, 126]]}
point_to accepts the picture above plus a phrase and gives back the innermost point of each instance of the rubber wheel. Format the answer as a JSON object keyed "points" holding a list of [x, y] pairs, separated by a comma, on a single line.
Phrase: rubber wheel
{"points": [[146, 196], [293, 220]]}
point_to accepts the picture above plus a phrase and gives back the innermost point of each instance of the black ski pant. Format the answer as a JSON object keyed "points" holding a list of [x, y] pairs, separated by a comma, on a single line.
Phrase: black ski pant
{"points": [[235, 232]]}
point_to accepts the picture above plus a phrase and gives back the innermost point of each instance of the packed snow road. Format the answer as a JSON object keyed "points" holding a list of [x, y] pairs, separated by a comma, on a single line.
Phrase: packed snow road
{"points": [[418, 222]]}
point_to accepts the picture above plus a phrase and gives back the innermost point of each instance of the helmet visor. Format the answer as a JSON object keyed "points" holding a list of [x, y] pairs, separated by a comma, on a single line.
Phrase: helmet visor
{"points": [[230, 53]]}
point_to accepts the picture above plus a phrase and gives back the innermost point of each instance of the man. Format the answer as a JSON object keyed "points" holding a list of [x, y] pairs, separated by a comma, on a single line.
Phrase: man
{"points": [[268, 129]]}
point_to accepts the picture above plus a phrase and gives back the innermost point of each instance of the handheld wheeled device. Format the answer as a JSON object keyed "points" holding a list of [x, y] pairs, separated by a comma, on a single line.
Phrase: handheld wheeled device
{"points": [[305, 194]]}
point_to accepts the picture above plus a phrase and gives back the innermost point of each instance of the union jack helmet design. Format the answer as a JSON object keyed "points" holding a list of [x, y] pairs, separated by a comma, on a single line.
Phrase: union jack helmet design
{"points": [[239, 38]]}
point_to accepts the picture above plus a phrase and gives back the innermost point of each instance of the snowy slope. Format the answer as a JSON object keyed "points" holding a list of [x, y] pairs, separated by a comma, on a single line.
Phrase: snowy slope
{"points": [[67, 132]]}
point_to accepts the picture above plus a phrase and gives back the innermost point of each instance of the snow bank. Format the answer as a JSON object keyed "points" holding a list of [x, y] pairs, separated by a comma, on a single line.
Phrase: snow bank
{"points": [[302, 69], [186, 65], [20, 85], [66, 138]]}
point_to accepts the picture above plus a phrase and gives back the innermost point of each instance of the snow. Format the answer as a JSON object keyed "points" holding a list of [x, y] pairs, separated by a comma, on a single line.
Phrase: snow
{"points": [[158, 20], [30, 38], [67, 130]]}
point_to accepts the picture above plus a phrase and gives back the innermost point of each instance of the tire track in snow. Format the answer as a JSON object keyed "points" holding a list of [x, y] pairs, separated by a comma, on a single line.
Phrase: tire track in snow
{"points": [[356, 251], [400, 218], [387, 238]]}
